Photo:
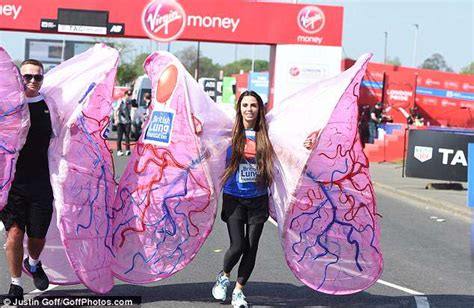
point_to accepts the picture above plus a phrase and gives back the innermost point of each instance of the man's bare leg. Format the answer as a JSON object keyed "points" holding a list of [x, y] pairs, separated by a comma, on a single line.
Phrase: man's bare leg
{"points": [[14, 250], [35, 247]]}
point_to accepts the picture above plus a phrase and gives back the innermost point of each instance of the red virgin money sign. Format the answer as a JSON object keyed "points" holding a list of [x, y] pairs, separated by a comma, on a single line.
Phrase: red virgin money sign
{"points": [[233, 21]]}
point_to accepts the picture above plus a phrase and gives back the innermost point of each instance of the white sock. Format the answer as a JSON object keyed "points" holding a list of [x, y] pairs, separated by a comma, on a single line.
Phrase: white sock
{"points": [[32, 261], [237, 291], [17, 281]]}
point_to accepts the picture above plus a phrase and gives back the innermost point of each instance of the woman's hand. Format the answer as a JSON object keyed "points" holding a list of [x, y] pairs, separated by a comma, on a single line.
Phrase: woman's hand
{"points": [[308, 143], [311, 140], [197, 125]]}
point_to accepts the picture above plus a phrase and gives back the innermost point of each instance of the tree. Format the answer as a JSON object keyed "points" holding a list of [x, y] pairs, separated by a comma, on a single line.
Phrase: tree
{"points": [[237, 66], [245, 65], [188, 57], [261, 66], [208, 69], [395, 61], [138, 63], [468, 69], [126, 74], [436, 62]]}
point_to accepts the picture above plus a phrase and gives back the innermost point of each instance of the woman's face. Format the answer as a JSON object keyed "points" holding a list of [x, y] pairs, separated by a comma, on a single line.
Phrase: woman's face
{"points": [[249, 111]]}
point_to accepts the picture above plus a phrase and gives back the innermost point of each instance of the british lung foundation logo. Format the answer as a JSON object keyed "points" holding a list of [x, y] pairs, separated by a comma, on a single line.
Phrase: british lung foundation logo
{"points": [[164, 20], [311, 19]]}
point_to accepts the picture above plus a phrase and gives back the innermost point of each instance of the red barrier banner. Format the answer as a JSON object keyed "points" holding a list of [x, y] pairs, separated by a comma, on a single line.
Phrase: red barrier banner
{"points": [[399, 94], [444, 99]]}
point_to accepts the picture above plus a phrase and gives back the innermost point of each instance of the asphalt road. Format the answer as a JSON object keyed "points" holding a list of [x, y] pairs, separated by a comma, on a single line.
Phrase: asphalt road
{"points": [[428, 263]]}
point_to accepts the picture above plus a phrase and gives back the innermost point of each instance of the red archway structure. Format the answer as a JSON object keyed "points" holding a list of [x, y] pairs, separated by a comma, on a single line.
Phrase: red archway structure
{"points": [[305, 39]]}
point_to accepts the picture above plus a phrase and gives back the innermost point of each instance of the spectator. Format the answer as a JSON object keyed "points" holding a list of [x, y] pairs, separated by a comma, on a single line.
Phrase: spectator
{"points": [[147, 100], [416, 117], [376, 116], [123, 119]]}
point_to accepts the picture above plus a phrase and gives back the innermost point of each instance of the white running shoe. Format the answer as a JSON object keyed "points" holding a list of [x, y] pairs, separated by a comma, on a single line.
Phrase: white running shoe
{"points": [[119, 153], [238, 299], [128, 152], [219, 291]]}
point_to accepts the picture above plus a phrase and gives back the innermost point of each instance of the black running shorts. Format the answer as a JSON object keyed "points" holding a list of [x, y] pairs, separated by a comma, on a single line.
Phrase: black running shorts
{"points": [[250, 211], [30, 206]]}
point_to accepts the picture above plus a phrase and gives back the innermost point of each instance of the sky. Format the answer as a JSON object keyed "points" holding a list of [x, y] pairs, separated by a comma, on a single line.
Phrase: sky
{"points": [[445, 27]]}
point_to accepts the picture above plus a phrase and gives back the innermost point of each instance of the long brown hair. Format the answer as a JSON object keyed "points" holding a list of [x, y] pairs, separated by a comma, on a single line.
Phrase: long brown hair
{"points": [[264, 148]]}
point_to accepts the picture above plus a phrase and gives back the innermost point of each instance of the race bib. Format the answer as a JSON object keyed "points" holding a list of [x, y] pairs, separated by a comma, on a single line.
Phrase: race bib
{"points": [[247, 173], [159, 128]]}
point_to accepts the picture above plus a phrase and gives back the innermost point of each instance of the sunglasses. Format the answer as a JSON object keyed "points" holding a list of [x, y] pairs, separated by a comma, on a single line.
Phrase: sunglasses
{"points": [[29, 77]]}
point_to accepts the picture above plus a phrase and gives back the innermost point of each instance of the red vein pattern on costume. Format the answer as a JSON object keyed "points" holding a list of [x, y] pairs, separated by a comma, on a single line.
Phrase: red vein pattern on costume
{"points": [[78, 93], [332, 235], [14, 122], [165, 203]]}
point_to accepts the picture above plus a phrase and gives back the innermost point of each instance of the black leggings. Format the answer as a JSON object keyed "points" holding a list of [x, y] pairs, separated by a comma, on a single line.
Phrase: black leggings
{"points": [[242, 244], [123, 129]]}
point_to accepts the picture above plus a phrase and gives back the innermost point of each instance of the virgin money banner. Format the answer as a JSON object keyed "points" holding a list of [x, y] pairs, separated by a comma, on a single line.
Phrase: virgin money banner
{"points": [[165, 20], [440, 155]]}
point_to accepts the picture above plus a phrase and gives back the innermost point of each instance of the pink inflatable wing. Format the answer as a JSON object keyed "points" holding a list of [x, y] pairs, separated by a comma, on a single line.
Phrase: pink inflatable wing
{"points": [[14, 122], [325, 202], [79, 93], [214, 121], [166, 203]]}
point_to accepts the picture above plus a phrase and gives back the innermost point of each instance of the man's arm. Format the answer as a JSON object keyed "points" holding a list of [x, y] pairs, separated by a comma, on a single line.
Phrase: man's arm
{"points": [[116, 113], [373, 116]]}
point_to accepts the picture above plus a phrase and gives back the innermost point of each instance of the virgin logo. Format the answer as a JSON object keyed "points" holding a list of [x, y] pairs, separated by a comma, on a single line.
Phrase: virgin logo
{"points": [[430, 82], [467, 86], [163, 20], [294, 71], [311, 19], [451, 84]]}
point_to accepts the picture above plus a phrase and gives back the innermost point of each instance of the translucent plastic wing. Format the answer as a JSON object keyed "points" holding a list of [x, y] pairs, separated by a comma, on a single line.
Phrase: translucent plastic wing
{"points": [[14, 122], [166, 200], [323, 198], [78, 93]]}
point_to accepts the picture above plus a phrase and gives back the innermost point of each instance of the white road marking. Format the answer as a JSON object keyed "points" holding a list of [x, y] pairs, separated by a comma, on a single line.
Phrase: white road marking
{"points": [[38, 292], [383, 282], [54, 247], [392, 285], [422, 302], [2, 227]]}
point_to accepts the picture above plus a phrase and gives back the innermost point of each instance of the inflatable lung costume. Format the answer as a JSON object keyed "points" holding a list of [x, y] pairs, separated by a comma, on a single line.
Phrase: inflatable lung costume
{"points": [[78, 94], [14, 122], [154, 223], [166, 202]]}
